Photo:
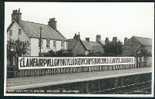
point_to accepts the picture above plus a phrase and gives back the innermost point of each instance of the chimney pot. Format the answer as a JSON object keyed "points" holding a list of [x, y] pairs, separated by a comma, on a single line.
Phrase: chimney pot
{"points": [[76, 36], [87, 39], [98, 38], [125, 40], [107, 40], [114, 39], [16, 15]]}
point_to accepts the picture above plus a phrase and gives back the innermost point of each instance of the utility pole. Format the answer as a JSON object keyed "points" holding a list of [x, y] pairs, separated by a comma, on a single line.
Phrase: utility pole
{"points": [[40, 41]]}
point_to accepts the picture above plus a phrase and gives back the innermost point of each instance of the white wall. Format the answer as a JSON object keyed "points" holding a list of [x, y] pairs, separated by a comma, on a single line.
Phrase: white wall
{"points": [[65, 45], [34, 46], [34, 42], [15, 30], [58, 45], [44, 49], [16, 36]]}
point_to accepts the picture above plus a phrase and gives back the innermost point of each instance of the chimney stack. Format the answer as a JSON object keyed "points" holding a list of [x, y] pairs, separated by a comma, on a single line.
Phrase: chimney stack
{"points": [[16, 15], [77, 36], [87, 39], [114, 39], [125, 40], [98, 38], [107, 40], [52, 23]]}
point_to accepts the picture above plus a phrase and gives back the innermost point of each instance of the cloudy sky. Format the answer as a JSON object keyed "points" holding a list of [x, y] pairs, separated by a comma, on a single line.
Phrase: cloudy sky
{"points": [[107, 19]]}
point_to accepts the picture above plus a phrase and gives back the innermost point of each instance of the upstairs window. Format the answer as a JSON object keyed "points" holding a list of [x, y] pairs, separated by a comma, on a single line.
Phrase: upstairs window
{"points": [[10, 32], [47, 43], [62, 44], [19, 32], [54, 43]]}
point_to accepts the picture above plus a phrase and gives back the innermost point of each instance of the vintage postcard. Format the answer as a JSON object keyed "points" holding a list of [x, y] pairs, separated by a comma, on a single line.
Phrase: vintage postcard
{"points": [[79, 49]]}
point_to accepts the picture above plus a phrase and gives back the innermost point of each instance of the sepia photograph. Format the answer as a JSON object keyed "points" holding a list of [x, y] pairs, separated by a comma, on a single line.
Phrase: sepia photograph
{"points": [[79, 49]]}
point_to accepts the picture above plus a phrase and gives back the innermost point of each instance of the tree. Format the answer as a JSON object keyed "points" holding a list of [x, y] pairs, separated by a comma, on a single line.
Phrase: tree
{"points": [[113, 48], [119, 48], [20, 48], [59, 53], [16, 49]]}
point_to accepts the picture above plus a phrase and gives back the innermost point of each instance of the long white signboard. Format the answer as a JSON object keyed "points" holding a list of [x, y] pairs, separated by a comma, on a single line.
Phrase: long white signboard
{"points": [[61, 62]]}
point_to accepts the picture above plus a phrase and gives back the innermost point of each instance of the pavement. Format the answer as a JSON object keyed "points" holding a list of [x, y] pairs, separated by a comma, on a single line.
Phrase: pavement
{"points": [[49, 80]]}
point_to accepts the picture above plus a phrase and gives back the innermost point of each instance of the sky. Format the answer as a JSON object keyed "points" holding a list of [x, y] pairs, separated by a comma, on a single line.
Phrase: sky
{"points": [[106, 19]]}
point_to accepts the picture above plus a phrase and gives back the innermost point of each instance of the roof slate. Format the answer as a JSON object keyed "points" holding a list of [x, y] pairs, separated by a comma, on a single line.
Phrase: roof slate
{"points": [[102, 42], [149, 49], [144, 41], [33, 30], [71, 43], [93, 46]]}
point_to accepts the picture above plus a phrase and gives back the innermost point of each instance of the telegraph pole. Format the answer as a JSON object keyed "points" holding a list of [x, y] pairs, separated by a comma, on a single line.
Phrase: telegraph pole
{"points": [[40, 41]]}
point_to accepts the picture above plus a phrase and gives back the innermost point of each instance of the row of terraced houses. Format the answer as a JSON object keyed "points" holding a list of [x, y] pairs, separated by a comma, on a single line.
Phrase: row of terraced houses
{"points": [[53, 39]]}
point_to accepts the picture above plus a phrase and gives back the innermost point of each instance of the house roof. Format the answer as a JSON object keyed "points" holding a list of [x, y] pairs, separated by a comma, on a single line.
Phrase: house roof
{"points": [[102, 42], [149, 49], [32, 29], [93, 46], [144, 41], [71, 43], [87, 45]]}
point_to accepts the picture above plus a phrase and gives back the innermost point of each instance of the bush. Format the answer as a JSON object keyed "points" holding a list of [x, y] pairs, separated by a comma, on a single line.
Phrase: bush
{"points": [[60, 53]]}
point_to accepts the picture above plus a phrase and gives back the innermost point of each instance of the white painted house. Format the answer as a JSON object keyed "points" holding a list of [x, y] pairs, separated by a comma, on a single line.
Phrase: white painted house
{"points": [[52, 39]]}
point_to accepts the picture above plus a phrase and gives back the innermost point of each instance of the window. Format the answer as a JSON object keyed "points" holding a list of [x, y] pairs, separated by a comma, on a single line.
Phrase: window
{"points": [[47, 43], [62, 44], [54, 43], [19, 32], [10, 32]]}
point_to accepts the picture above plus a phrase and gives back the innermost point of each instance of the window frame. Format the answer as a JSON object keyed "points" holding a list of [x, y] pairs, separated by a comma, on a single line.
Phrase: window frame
{"points": [[62, 44], [54, 43], [19, 31], [10, 32], [48, 43]]}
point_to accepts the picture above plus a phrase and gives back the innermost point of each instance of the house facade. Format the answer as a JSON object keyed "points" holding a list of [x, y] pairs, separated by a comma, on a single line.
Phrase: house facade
{"points": [[139, 47], [85, 47], [41, 37]]}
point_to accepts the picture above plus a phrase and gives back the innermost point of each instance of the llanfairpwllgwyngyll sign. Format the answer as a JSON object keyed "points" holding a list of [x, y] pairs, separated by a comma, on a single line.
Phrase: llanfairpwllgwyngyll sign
{"points": [[61, 62]]}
